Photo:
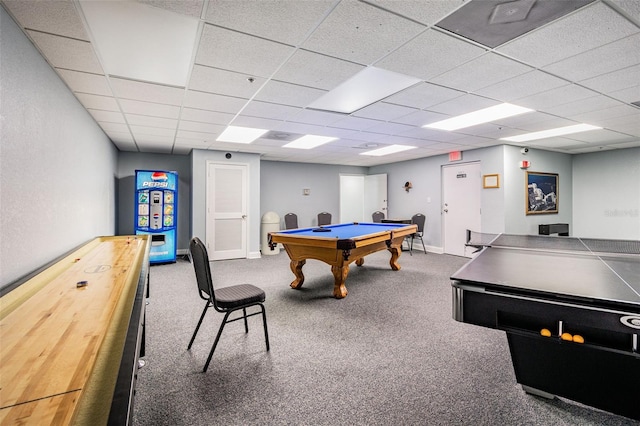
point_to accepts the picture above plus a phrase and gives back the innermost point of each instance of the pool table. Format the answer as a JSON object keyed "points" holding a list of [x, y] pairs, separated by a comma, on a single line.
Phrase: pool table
{"points": [[339, 245]]}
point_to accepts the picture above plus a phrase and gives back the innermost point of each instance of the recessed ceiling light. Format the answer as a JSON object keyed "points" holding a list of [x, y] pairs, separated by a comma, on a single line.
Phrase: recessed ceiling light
{"points": [[391, 149], [366, 87], [309, 141], [559, 131], [238, 134], [485, 115], [141, 42]]}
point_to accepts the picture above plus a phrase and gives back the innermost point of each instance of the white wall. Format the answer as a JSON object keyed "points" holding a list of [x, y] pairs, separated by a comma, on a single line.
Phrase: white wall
{"points": [[57, 167], [606, 194]]}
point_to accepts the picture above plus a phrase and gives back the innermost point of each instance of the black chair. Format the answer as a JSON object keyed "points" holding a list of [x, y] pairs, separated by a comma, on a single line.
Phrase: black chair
{"points": [[324, 218], [225, 299], [377, 216], [418, 219], [290, 221]]}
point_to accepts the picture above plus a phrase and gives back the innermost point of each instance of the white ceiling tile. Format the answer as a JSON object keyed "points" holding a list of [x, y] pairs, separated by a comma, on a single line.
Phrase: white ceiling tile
{"points": [[616, 80], [67, 53], [557, 96], [53, 17], [144, 120], [195, 126], [270, 110], [315, 70], [136, 90], [154, 145], [114, 127], [479, 72], [213, 80], [383, 111], [211, 102], [423, 95], [184, 7], [125, 146], [355, 123], [591, 27], [86, 83], [427, 12], [152, 131], [239, 52], [202, 138], [321, 118], [269, 19], [600, 117], [107, 116], [430, 54], [523, 85], [204, 116], [361, 33], [420, 118], [430, 134], [288, 94], [462, 105], [98, 102], [122, 137], [181, 149], [603, 60], [629, 7], [389, 128], [255, 122], [601, 136], [627, 95], [572, 109], [130, 106]]}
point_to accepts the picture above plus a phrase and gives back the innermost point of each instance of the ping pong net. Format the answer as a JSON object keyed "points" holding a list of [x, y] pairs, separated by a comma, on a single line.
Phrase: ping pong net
{"points": [[593, 246]]}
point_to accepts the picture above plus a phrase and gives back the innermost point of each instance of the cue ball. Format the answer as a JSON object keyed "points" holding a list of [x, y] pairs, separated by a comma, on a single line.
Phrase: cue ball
{"points": [[578, 339], [566, 336], [545, 332]]}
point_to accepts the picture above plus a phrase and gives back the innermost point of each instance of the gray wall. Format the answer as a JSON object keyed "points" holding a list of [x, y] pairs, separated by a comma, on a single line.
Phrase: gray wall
{"points": [[425, 174], [281, 186], [516, 219], [57, 167], [606, 194], [128, 163], [199, 160]]}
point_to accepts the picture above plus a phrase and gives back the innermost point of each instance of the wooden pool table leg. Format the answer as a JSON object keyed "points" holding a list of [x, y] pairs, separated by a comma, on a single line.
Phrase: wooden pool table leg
{"points": [[340, 276], [296, 268], [395, 254]]}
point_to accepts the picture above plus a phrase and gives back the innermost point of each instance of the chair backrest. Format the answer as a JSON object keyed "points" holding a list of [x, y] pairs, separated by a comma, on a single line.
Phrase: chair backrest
{"points": [[418, 219], [377, 216], [324, 218], [290, 221], [201, 266]]}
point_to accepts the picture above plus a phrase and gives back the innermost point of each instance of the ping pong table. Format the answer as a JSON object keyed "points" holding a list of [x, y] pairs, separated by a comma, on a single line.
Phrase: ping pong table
{"points": [[570, 308]]}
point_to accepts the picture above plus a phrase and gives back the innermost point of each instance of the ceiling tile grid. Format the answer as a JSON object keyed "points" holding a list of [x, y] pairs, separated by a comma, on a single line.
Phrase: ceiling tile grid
{"points": [[261, 64]]}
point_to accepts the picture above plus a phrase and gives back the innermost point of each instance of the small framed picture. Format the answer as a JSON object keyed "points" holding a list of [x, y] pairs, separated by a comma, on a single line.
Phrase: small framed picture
{"points": [[491, 181], [541, 193]]}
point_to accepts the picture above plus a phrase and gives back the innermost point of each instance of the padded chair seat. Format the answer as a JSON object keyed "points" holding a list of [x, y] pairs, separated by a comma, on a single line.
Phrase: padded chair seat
{"points": [[238, 295]]}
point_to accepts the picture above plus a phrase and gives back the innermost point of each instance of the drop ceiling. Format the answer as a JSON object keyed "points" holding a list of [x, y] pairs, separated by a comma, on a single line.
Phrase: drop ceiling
{"points": [[262, 64]]}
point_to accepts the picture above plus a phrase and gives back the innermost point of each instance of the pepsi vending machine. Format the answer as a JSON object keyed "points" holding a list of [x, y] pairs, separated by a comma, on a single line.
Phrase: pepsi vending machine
{"points": [[156, 212]]}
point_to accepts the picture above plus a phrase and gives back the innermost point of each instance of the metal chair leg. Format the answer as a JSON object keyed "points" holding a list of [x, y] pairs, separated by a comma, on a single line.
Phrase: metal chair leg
{"points": [[198, 326], [215, 343], [246, 325], [264, 323]]}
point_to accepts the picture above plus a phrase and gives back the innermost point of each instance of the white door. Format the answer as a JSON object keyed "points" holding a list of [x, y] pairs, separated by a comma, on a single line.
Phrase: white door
{"points": [[226, 211], [360, 196], [461, 186], [351, 199], [375, 195]]}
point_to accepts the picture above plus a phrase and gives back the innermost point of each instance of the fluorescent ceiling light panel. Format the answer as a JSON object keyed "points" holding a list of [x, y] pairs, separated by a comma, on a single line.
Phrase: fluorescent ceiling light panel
{"points": [[485, 115], [238, 134], [141, 42], [309, 141], [366, 87], [559, 131], [391, 149]]}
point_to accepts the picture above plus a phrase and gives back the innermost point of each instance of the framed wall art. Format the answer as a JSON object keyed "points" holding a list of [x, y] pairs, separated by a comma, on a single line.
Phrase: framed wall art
{"points": [[541, 193], [491, 181]]}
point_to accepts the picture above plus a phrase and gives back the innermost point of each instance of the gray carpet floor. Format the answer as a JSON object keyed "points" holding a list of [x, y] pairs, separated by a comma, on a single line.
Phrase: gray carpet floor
{"points": [[389, 353]]}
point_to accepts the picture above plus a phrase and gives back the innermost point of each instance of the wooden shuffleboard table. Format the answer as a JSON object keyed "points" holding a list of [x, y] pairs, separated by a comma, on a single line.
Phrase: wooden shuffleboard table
{"points": [[71, 336], [339, 245]]}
